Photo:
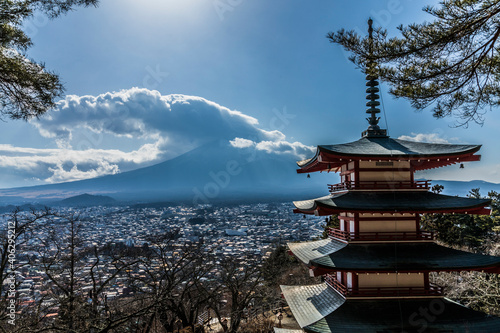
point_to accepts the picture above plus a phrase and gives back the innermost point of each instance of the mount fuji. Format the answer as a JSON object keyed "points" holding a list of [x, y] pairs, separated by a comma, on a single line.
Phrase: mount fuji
{"points": [[213, 172]]}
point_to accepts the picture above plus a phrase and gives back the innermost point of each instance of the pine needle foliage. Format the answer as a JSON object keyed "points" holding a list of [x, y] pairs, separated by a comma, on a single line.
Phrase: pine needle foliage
{"points": [[451, 63], [27, 88]]}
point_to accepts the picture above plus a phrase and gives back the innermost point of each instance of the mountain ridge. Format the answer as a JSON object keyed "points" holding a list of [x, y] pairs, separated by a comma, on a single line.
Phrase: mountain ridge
{"points": [[213, 172]]}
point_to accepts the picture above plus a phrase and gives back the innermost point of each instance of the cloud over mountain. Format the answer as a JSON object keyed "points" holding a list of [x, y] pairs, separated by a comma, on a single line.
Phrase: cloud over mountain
{"points": [[162, 126], [143, 113]]}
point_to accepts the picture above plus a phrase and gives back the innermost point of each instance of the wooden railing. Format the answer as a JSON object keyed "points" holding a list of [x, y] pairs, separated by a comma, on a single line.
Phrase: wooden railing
{"points": [[375, 236], [332, 281], [379, 185], [433, 290]]}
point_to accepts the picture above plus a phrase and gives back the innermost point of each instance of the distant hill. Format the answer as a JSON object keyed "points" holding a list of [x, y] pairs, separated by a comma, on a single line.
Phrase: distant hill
{"points": [[24, 207], [84, 200], [210, 173], [462, 188]]}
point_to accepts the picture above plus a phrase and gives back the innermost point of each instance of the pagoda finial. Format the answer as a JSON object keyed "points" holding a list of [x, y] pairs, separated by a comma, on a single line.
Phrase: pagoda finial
{"points": [[372, 90]]}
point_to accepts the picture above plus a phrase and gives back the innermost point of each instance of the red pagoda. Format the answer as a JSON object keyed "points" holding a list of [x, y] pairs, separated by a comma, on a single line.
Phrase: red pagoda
{"points": [[376, 265]]}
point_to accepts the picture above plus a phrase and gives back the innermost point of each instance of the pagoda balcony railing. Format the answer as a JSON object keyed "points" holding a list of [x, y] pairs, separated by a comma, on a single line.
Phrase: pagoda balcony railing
{"points": [[379, 236], [432, 290], [380, 185]]}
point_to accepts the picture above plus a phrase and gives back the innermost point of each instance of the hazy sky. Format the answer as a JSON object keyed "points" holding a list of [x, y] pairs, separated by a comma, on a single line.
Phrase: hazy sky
{"points": [[148, 80]]}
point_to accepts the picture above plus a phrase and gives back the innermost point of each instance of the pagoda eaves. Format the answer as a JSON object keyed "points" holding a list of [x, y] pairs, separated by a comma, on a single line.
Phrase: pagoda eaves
{"points": [[391, 202], [421, 155], [330, 256]]}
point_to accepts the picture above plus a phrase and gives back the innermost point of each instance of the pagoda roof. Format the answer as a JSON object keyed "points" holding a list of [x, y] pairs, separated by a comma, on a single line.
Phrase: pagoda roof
{"points": [[308, 251], [381, 315], [428, 155], [311, 303], [389, 257], [391, 202]]}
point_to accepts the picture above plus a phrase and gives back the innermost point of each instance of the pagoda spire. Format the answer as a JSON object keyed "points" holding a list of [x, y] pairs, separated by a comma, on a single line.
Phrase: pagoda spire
{"points": [[372, 90]]}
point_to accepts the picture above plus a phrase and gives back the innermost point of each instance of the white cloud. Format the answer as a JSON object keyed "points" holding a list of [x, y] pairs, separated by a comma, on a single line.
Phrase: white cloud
{"points": [[283, 147], [424, 137], [275, 147], [241, 143], [57, 165], [160, 127], [59, 174], [186, 121]]}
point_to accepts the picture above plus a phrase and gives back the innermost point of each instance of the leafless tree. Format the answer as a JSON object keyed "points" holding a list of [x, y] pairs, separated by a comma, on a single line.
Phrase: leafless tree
{"points": [[173, 275], [76, 282]]}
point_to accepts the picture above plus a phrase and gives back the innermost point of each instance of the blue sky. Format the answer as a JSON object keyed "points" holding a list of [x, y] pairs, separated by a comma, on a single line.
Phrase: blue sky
{"points": [[256, 70]]}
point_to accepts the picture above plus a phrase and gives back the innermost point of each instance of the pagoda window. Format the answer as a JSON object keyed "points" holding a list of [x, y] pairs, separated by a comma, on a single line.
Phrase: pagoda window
{"points": [[347, 222], [349, 280], [346, 173]]}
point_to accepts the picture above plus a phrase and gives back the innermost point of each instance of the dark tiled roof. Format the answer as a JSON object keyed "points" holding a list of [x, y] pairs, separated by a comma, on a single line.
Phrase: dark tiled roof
{"points": [[318, 308], [416, 256], [416, 315], [311, 303], [392, 201], [387, 147]]}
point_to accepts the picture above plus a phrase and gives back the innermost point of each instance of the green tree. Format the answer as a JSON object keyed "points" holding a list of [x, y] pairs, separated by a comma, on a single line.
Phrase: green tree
{"points": [[471, 231], [451, 62], [437, 188], [476, 290], [331, 222], [27, 88], [277, 264]]}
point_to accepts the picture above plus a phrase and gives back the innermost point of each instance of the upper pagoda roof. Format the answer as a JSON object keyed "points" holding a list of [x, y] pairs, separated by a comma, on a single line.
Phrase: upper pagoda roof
{"points": [[332, 255], [388, 147], [307, 303], [391, 202], [423, 155]]}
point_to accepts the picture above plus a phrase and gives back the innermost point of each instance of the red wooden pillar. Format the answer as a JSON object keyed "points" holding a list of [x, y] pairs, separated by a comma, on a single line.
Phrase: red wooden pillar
{"points": [[356, 225]]}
